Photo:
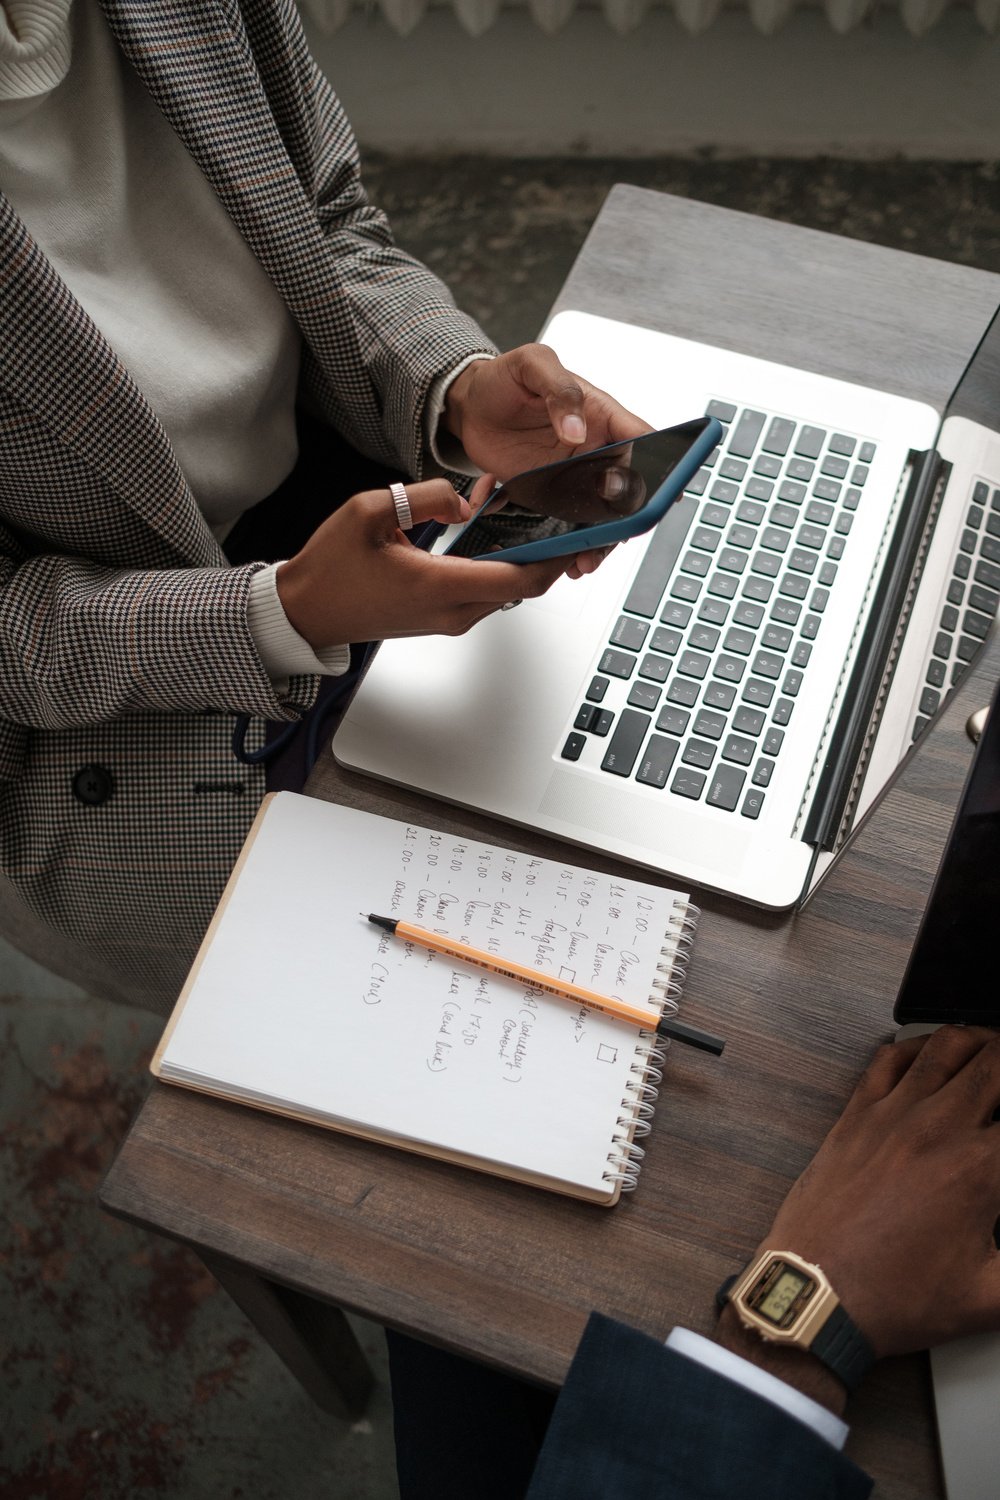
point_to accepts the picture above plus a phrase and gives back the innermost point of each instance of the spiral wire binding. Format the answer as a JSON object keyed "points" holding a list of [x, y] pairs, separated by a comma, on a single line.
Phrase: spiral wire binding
{"points": [[646, 1073]]}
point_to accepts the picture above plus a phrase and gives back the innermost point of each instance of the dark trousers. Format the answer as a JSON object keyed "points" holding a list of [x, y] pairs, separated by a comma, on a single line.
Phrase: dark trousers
{"points": [[462, 1431]]}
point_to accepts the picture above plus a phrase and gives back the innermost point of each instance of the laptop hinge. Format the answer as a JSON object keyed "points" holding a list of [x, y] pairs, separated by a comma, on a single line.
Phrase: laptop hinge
{"points": [[837, 776]]}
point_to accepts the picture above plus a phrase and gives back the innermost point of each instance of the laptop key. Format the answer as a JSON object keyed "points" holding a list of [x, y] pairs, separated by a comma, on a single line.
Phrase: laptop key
{"points": [[976, 624], [672, 720], [739, 750], [698, 753], [694, 664], [625, 743], [762, 772], [766, 664], [782, 711], [729, 668], [654, 668], [748, 720], [643, 695], [666, 640], [724, 410], [713, 612], [597, 689], [658, 560], [982, 599], [746, 433], [748, 614], [656, 760], [704, 638], [719, 694], [756, 690], [710, 725], [683, 691], [727, 783], [779, 435], [573, 748], [935, 672], [988, 575], [810, 440], [689, 783], [752, 804], [616, 663], [930, 698], [773, 741], [629, 633]]}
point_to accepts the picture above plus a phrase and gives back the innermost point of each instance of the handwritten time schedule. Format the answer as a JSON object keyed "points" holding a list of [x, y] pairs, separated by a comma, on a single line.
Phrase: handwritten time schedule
{"points": [[297, 1003]]}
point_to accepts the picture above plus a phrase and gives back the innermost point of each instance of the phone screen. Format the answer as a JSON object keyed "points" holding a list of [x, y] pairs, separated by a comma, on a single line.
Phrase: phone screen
{"points": [[576, 493]]}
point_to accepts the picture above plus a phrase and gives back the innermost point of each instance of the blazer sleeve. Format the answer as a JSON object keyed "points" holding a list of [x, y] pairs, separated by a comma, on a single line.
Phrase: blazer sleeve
{"points": [[396, 325], [637, 1419], [82, 643]]}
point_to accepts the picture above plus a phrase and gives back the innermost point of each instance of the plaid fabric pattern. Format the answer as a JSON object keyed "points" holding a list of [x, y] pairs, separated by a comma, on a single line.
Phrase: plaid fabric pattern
{"points": [[123, 634]]}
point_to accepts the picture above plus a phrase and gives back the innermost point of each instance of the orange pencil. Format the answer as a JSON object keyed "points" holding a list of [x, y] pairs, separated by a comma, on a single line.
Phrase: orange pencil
{"points": [[651, 1020]]}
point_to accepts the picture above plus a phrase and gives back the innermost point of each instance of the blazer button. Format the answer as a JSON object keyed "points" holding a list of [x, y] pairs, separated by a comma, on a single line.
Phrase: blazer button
{"points": [[93, 785]]}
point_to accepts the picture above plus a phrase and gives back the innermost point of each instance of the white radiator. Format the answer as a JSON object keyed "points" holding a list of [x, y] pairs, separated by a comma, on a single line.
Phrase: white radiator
{"points": [[477, 16]]}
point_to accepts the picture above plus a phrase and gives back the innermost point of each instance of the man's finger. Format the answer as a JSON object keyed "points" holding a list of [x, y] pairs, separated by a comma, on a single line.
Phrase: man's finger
{"points": [[946, 1052]]}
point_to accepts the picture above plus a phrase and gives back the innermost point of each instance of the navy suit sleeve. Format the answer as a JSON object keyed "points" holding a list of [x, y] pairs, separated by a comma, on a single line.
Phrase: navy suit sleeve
{"points": [[637, 1419]]}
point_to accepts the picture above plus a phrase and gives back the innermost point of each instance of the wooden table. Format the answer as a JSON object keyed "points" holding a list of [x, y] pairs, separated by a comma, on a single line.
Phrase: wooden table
{"points": [[298, 1222]]}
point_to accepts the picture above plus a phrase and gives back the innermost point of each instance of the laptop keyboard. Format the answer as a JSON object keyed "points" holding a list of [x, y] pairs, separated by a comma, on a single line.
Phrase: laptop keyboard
{"points": [[973, 596], [716, 634]]}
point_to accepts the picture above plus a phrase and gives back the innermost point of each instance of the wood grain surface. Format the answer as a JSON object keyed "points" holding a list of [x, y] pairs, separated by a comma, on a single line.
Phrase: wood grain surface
{"points": [[508, 1273]]}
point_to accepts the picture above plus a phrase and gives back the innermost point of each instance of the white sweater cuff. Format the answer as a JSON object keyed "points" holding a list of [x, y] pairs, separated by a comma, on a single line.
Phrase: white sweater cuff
{"points": [[446, 449], [283, 651], [778, 1392]]}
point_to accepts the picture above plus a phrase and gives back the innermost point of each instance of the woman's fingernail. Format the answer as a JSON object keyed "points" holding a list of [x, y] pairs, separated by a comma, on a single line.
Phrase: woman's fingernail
{"points": [[574, 428]]}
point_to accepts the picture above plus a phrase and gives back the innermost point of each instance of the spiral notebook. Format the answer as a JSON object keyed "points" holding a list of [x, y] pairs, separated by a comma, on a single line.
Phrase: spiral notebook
{"points": [[296, 1004]]}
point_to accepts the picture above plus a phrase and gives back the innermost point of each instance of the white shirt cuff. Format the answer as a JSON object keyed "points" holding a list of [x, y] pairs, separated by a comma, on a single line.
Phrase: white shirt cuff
{"points": [[446, 449], [283, 651], [778, 1392]]}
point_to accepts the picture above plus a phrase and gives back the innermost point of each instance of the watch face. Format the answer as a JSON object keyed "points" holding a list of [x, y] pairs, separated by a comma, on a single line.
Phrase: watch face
{"points": [[780, 1294]]}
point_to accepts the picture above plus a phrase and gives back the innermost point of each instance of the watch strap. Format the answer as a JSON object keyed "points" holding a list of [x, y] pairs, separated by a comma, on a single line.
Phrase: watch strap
{"points": [[843, 1348]]}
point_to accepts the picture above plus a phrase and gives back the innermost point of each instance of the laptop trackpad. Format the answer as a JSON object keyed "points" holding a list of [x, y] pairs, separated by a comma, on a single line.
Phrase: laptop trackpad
{"points": [[618, 815]]}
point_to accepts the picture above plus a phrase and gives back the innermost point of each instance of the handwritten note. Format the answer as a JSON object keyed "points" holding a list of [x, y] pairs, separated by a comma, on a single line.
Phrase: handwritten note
{"points": [[300, 1003]]}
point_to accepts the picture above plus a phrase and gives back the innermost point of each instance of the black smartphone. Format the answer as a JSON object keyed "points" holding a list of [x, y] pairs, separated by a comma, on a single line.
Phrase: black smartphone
{"points": [[593, 499]]}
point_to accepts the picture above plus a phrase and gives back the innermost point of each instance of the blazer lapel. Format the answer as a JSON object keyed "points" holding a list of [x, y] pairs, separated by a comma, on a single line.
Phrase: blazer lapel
{"points": [[58, 364]]}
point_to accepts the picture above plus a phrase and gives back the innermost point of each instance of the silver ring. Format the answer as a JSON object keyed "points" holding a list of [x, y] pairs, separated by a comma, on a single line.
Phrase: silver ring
{"points": [[401, 501], [511, 604]]}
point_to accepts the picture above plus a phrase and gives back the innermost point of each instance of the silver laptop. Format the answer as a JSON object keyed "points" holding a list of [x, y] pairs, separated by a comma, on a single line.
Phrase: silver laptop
{"points": [[951, 977], [725, 698]]}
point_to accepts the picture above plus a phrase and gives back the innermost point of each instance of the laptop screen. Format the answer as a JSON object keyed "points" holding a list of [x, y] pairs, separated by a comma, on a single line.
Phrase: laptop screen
{"points": [[951, 975]]}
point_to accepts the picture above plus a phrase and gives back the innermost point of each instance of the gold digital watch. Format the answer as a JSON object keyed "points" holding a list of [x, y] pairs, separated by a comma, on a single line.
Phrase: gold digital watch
{"points": [[788, 1301]]}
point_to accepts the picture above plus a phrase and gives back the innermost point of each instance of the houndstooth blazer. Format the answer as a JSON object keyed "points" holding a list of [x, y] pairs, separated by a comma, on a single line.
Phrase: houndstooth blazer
{"points": [[124, 647]]}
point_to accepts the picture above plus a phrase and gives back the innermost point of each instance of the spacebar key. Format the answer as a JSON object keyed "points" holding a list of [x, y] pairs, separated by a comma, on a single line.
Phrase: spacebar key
{"points": [[630, 731], [658, 561]]}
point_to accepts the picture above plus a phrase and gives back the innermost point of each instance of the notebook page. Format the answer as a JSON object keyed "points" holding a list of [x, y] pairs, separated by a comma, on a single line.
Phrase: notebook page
{"points": [[300, 1002]]}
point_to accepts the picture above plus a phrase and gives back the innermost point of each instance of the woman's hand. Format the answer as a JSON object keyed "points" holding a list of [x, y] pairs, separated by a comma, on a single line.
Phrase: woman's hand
{"points": [[359, 578], [525, 408]]}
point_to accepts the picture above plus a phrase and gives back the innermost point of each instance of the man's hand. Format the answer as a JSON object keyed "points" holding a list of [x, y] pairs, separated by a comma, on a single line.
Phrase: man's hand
{"points": [[524, 409], [358, 578], [898, 1206]]}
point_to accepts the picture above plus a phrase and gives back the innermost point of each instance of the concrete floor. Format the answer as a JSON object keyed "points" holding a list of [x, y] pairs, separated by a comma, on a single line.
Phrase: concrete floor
{"points": [[125, 1372]]}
